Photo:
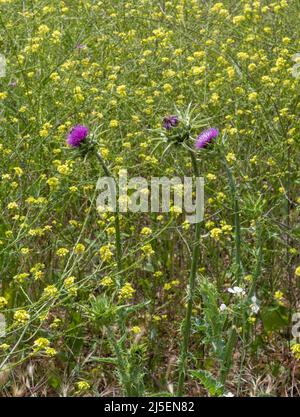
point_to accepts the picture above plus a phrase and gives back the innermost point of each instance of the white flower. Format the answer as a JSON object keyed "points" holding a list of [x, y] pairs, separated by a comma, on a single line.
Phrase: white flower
{"points": [[228, 394], [237, 290], [223, 307], [254, 306], [254, 299]]}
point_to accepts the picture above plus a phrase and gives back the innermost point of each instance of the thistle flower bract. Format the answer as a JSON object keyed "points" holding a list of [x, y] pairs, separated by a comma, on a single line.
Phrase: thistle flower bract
{"points": [[77, 135], [206, 137], [170, 121]]}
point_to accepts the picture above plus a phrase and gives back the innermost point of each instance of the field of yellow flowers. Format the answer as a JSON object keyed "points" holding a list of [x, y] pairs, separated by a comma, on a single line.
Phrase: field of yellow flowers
{"points": [[106, 303]]}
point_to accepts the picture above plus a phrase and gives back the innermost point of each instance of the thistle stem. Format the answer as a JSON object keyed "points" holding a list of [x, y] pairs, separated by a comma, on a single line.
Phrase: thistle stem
{"points": [[117, 220], [186, 329], [237, 224], [120, 359]]}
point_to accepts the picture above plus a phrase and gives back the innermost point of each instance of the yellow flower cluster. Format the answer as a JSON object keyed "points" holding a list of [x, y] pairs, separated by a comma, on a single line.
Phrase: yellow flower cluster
{"points": [[126, 292], [82, 386], [107, 281], [106, 253], [50, 291], [21, 316], [3, 302], [70, 286], [43, 344], [279, 297], [147, 250]]}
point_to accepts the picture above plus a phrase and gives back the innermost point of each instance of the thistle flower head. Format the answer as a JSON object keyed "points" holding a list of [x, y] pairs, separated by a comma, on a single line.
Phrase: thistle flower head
{"points": [[77, 134], [206, 137], [170, 121]]}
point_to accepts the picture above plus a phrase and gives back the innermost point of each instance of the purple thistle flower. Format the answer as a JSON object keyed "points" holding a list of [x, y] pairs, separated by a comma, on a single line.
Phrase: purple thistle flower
{"points": [[206, 137], [170, 121], [77, 135]]}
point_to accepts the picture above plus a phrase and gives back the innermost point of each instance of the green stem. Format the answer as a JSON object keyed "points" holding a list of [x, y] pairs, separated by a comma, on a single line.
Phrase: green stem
{"points": [[117, 220], [289, 241], [237, 224], [121, 321], [259, 259], [186, 330], [118, 244], [227, 361], [120, 358]]}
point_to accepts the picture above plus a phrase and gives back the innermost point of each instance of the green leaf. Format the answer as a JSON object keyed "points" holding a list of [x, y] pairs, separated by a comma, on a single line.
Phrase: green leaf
{"points": [[149, 267], [213, 386], [274, 318], [54, 381], [74, 337]]}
